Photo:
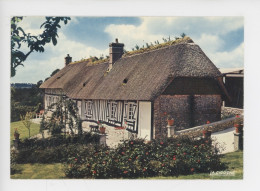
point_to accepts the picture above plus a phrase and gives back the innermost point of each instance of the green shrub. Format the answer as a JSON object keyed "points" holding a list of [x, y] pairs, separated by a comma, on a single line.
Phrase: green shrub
{"points": [[134, 158], [55, 149]]}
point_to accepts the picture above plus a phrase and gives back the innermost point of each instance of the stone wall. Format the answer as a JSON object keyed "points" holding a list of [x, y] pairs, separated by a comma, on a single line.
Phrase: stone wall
{"points": [[227, 112], [186, 110], [177, 107], [216, 127], [206, 108]]}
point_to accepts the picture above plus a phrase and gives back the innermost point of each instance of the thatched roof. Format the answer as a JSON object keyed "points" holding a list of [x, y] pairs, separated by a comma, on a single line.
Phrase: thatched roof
{"points": [[146, 74]]}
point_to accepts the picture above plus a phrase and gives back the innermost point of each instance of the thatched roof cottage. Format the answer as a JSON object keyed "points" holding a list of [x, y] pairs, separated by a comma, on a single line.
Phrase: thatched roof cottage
{"points": [[140, 89]]}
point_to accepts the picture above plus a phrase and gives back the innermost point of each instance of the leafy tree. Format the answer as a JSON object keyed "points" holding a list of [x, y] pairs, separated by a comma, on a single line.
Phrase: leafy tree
{"points": [[64, 114], [26, 120], [34, 43]]}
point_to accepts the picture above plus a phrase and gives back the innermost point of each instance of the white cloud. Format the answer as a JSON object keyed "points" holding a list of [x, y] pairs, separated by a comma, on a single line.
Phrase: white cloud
{"points": [[36, 70], [205, 32], [209, 43], [232, 59]]}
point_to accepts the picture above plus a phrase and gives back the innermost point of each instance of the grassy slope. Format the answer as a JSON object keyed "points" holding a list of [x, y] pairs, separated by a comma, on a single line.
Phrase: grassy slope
{"points": [[54, 171], [23, 130]]}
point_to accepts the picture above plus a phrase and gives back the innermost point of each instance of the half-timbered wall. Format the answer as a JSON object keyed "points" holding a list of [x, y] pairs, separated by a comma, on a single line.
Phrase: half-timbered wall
{"points": [[52, 96], [113, 113]]}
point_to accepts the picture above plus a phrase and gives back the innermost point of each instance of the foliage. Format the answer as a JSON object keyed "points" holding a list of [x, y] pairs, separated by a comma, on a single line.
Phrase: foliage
{"points": [[135, 158], [13, 165], [55, 149], [25, 100], [34, 43], [26, 120], [64, 113], [55, 170]]}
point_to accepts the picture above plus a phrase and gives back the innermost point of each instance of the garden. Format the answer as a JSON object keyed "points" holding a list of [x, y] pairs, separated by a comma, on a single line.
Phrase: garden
{"points": [[82, 157], [74, 154]]}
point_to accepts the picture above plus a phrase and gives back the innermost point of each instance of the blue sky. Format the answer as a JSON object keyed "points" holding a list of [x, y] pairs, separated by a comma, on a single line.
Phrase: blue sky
{"points": [[221, 38]]}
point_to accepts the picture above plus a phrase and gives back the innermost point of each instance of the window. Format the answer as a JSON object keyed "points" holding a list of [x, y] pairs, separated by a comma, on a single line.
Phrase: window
{"points": [[88, 107], [130, 111], [113, 110]]}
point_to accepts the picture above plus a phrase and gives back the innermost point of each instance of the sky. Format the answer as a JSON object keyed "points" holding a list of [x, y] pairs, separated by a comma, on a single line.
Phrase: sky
{"points": [[221, 38]]}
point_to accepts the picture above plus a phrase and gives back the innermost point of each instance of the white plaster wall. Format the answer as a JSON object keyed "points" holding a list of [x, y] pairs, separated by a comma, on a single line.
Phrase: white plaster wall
{"points": [[224, 140], [144, 124]]}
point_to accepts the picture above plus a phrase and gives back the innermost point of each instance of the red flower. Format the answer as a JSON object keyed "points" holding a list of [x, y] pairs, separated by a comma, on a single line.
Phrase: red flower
{"points": [[136, 157], [161, 143], [178, 145], [196, 146], [173, 158], [98, 122], [162, 164], [208, 122], [76, 159], [192, 169], [237, 116], [144, 169], [94, 172], [104, 162], [123, 153], [129, 159], [164, 113], [146, 153], [167, 155], [202, 145], [132, 142], [125, 171], [107, 152], [198, 161], [184, 153], [206, 141]]}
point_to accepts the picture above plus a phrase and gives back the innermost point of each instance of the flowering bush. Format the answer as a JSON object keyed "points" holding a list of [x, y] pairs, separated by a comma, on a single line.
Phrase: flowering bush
{"points": [[135, 158]]}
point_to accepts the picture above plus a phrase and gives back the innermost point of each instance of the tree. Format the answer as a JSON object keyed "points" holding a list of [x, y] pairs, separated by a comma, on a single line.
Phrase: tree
{"points": [[34, 43], [26, 120], [64, 114]]}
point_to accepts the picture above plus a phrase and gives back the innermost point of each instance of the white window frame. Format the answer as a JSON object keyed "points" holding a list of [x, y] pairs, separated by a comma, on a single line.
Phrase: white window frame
{"points": [[113, 106], [88, 108], [130, 113]]}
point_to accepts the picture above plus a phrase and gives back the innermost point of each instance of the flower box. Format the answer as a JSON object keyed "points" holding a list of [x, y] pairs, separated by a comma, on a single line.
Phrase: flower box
{"points": [[170, 122], [102, 130]]}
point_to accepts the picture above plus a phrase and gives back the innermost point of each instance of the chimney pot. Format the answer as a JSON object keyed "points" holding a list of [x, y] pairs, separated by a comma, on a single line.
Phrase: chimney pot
{"points": [[68, 59], [116, 40]]}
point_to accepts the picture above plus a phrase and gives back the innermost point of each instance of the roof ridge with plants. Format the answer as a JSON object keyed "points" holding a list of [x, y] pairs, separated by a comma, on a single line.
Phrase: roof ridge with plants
{"points": [[94, 60]]}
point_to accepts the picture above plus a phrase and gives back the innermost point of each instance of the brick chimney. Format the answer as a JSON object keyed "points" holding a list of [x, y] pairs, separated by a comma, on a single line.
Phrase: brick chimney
{"points": [[116, 50], [68, 59]]}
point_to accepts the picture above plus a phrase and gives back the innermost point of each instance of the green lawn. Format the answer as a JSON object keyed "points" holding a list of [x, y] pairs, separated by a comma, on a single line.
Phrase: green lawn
{"points": [[54, 171], [39, 171], [23, 130]]}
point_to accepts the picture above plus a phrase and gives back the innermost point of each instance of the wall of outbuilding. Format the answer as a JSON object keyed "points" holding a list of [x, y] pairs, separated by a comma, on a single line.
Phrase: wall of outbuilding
{"points": [[186, 110]]}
